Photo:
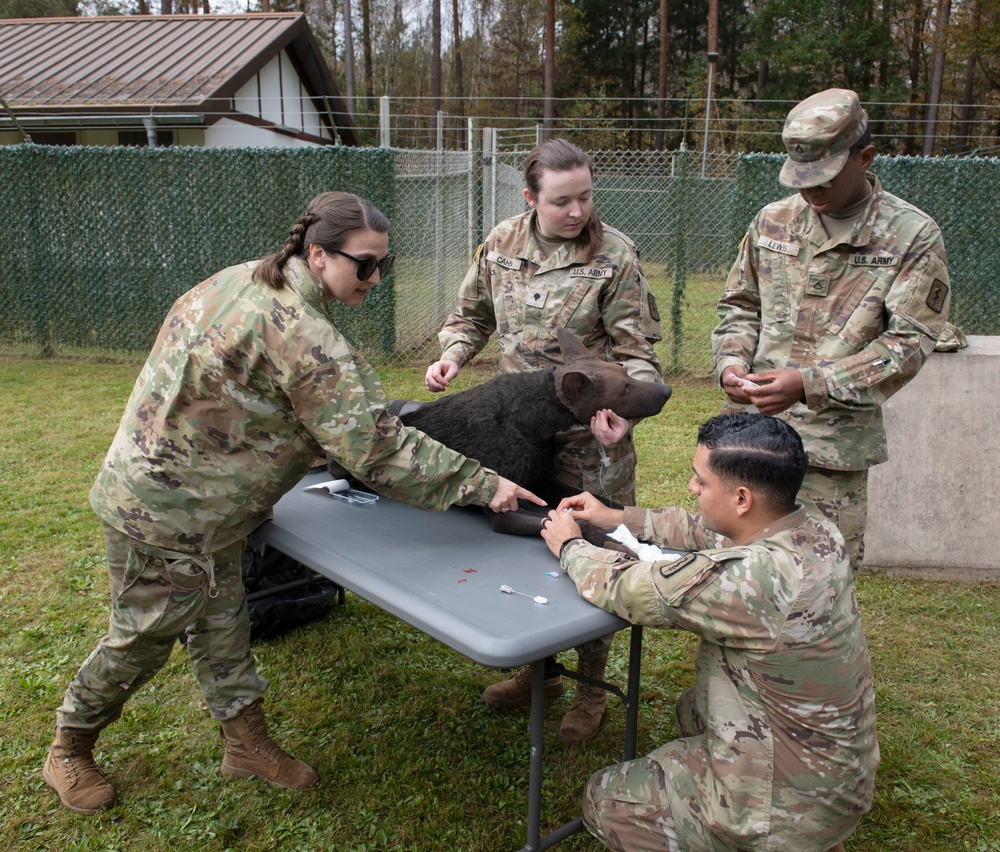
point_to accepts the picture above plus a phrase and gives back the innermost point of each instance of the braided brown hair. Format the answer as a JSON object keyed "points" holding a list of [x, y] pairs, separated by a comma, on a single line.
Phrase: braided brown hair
{"points": [[558, 155], [327, 221]]}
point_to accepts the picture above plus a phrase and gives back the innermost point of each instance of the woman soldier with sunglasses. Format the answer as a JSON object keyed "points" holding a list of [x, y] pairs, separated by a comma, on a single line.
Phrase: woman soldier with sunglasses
{"points": [[248, 385]]}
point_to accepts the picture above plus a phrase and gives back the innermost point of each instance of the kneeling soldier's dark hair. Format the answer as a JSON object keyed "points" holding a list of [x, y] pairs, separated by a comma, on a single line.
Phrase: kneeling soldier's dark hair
{"points": [[759, 451]]}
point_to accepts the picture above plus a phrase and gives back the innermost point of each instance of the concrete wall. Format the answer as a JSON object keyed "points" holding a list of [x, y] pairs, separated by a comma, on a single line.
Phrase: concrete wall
{"points": [[934, 507]]}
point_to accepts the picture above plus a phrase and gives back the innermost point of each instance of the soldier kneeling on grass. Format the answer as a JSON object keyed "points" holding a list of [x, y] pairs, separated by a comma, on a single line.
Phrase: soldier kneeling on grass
{"points": [[777, 744]]}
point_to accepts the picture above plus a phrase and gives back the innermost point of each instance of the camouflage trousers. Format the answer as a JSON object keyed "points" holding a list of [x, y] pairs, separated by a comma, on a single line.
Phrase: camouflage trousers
{"points": [[579, 463], [841, 496], [157, 594], [642, 804]]}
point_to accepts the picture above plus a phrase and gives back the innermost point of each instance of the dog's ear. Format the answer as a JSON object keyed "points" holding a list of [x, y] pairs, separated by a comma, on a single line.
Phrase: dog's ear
{"points": [[572, 386], [581, 392], [571, 346]]}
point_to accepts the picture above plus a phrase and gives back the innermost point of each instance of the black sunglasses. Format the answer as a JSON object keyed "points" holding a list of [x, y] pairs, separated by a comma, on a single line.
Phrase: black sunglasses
{"points": [[367, 265]]}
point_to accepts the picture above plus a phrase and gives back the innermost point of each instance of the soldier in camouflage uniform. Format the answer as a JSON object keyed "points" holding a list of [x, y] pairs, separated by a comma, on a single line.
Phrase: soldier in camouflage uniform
{"points": [[837, 297], [558, 266], [248, 385], [777, 747]]}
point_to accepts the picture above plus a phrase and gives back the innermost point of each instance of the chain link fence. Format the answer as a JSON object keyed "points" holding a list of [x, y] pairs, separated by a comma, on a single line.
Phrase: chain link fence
{"points": [[673, 205], [96, 243]]}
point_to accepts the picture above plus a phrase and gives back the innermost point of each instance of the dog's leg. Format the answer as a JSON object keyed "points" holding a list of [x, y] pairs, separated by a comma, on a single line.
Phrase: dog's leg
{"points": [[523, 522]]}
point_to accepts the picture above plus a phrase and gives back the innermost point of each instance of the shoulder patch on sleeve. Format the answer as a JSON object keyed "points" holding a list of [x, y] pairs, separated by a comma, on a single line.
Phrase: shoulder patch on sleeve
{"points": [[937, 296], [927, 298], [654, 312], [676, 579], [672, 567]]}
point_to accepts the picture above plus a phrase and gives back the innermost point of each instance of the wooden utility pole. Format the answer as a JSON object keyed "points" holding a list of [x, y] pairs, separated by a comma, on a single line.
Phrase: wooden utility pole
{"points": [[548, 107], [456, 28], [435, 58], [934, 97], [713, 58], [965, 114], [348, 59], [366, 54], [661, 88]]}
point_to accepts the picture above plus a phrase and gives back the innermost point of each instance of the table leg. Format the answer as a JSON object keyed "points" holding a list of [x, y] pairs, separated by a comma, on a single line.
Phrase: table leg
{"points": [[535, 842], [632, 702], [537, 728]]}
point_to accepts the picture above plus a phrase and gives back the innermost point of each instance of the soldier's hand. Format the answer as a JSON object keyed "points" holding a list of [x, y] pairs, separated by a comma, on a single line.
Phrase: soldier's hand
{"points": [[608, 427], [439, 375], [586, 507], [557, 528], [507, 495], [735, 384], [777, 390]]}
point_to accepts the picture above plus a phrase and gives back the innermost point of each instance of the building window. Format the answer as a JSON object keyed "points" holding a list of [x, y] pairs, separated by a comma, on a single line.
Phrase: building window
{"points": [[53, 137], [139, 139]]}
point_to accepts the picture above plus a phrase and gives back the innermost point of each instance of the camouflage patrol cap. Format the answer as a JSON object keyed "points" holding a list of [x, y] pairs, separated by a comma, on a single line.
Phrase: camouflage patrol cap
{"points": [[818, 134]]}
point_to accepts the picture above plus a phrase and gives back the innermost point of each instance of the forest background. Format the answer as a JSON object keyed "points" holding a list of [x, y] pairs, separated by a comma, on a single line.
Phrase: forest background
{"points": [[647, 73]]}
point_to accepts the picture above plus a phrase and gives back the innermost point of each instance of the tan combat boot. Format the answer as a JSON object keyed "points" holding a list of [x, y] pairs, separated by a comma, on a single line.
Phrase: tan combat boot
{"points": [[251, 752], [516, 690], [70, 770], [583, 718]]}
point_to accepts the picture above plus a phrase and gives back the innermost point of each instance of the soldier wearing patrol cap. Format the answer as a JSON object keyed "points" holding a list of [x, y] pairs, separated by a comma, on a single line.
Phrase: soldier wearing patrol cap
{"points": [[837, 297]]}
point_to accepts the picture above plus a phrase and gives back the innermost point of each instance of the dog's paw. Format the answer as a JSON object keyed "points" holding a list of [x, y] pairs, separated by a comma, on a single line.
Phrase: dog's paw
{"points": [[600, 538]]}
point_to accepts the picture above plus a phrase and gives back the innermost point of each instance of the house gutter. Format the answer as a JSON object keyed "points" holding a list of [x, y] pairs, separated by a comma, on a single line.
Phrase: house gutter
{"points": [[17, 124]]}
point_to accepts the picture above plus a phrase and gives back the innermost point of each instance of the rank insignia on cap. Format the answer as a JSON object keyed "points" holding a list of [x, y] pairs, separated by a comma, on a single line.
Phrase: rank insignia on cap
{"points": [[937, 295]]}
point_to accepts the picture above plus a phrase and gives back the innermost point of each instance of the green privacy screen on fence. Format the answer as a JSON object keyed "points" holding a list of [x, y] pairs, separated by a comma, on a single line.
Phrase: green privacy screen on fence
{"points": [[96, 243]]}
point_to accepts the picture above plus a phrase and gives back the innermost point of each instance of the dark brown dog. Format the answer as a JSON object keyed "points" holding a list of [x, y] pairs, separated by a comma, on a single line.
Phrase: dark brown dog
{"points": [[509, 423]]}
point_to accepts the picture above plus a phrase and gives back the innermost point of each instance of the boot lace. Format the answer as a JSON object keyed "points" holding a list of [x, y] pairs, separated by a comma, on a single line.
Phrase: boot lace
{"points": [[77, 766], [263, 746]]}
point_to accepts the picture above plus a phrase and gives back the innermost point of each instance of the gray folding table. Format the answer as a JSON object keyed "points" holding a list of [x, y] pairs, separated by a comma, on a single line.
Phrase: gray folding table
{"points": [[441, 572]]}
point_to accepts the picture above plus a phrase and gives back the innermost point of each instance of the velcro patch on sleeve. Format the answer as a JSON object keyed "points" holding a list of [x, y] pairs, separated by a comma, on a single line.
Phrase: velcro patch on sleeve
{"points": [[937, 296]]}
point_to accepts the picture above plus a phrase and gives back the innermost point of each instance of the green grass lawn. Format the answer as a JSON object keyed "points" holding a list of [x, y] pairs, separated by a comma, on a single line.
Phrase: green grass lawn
{"points": [[409, 757]]}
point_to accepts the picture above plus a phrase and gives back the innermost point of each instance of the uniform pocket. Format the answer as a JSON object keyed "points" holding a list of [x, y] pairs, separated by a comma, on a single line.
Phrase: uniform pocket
{"points": [[162, 591], [860, 316], [113, 676]]}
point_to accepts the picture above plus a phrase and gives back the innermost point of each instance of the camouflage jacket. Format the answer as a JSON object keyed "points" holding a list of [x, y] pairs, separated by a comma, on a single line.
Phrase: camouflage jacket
{"points": [[857, 319], [784, 681], [245, 388], [526, 299]]}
